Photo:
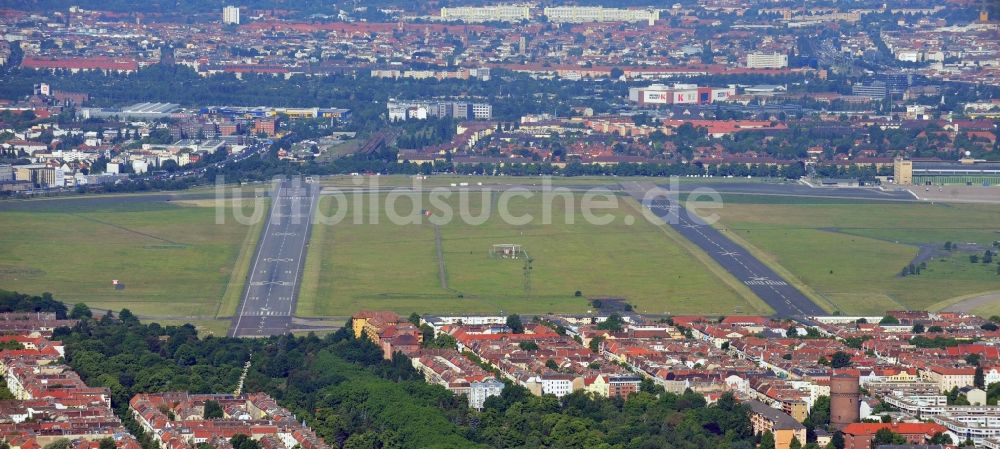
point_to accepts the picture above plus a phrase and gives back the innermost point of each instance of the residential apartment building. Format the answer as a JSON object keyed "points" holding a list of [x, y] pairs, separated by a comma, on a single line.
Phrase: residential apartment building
{"points": [[583, 14], [947, 378], [976, 423], [268, 126], [767, 61], [480, 391], [175, 420], [422, 110], [765, 418], [495, 13], [231, 15]]}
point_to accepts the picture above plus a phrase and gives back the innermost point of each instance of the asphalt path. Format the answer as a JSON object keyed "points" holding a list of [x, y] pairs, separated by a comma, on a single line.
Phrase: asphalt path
{"points": [[273, 282], [799, 190], [786, 300]]}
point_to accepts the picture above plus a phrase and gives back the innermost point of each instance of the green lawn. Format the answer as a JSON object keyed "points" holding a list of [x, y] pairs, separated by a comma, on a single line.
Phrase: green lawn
{"points": [[351, 267], [172, 257], [217, 328], [851, 254]]}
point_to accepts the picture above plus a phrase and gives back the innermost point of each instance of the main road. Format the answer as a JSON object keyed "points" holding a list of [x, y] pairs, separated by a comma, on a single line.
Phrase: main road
{"points": [[786, 300], [273, 282]]}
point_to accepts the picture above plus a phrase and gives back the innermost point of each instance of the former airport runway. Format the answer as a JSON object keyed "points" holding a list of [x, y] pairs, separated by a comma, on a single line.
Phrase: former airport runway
{"points": [[786, 300], [272, 285]]}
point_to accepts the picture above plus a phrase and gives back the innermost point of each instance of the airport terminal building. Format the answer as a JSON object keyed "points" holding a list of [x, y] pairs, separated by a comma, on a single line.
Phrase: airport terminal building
{"points": [[937, 172]]}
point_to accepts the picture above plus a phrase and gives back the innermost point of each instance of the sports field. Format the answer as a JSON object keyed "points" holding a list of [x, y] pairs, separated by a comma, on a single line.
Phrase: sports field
{"points": [[851, 254], [172, 257], [351, 267]]}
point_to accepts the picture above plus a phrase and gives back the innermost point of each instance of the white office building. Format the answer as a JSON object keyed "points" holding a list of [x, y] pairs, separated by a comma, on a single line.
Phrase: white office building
{"points": [[495, 13], [584, 14], [231, 15], [767, 60]]}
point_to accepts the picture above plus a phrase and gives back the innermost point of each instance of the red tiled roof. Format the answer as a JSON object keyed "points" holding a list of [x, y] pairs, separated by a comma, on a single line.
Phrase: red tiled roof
{"points": [[900, 428]]}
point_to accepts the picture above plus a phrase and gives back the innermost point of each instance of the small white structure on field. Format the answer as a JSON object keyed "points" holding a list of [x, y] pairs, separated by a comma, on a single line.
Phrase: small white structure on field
{"points": [[507, 251]]}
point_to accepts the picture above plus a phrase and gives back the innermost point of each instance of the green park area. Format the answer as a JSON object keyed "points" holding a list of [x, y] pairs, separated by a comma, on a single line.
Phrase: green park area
{"points": [[851, 255], [173, 259], [353, 267]]}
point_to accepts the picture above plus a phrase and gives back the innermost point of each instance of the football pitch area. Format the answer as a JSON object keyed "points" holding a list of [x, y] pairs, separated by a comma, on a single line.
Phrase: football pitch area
{"points": [[171, 256], [385, 266], [851, 253]]}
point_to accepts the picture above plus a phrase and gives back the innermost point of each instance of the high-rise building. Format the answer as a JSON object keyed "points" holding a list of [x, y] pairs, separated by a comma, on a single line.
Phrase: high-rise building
{"points": [[767, 60], [495, 13], [895, 82], [845, 398], [876, 90], [231, 15]]}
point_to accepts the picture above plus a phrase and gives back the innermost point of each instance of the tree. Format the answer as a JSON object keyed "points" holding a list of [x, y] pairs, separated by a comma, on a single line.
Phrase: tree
{"points": [[840, 359], [819, 414], [889, 319], [918, 328], [941, 438], [595, 344], [766, 441], [213, 410], [414, 319], [886, 436], [552, 365], [935, 329], [614, 323], [80, 311], [107, 443], [955, 397], [528, 346], [974, 258], [979, 380], [792, 332], [241, 441], [837, 440], [514, 324], [992, 327], [169, 166], [61, 443]]}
